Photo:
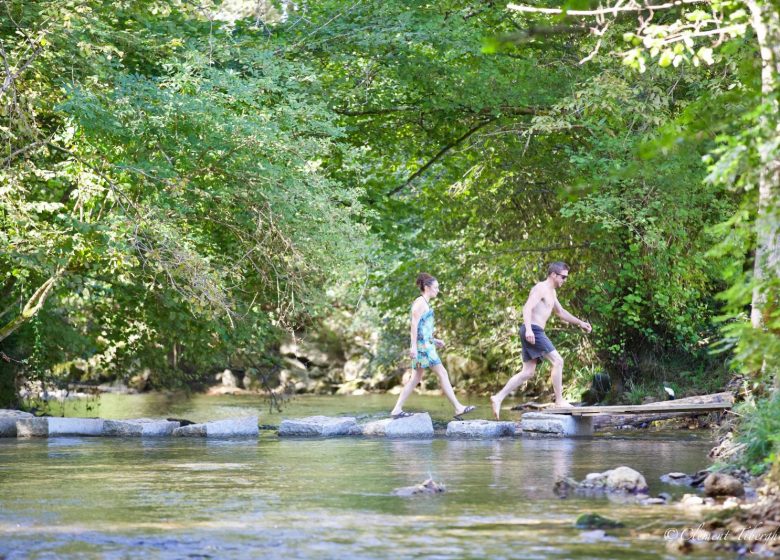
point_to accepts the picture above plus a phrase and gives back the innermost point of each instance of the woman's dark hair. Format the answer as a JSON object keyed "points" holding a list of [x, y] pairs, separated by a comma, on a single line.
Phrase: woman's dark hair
{"points": [[424, 279]]}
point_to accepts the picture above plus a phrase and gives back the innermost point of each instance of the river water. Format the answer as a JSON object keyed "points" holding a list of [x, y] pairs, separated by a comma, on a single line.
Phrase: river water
{"points": [[271, 498]]}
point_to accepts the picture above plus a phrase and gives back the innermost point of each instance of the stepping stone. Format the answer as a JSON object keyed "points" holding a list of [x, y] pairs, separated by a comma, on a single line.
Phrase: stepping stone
{"points": [[556, 424], [75, 426], [32, 427], [319, 426], [8, 420], [418, 425], [231, 427], [480, 429], [54, 426], [139, 427]]}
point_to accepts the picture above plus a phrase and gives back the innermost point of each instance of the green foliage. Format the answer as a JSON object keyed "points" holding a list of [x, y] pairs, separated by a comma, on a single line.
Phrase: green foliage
{"points": [[760, 432], [197, 186], [179, 177]]}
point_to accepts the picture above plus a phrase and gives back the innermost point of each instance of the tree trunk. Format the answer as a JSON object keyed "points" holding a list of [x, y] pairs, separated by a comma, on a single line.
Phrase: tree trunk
{"points": [[765, 19]]}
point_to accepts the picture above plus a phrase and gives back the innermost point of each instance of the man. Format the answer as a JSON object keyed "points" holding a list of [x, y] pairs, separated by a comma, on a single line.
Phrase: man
{"points": [[542, 301]]}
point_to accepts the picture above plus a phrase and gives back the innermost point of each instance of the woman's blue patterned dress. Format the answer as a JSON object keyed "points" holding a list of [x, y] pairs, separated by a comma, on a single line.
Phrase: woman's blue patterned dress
{"points": [[426, 349]]}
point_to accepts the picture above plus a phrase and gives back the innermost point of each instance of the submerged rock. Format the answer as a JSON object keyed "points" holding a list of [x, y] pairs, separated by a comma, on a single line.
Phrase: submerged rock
{"points": [[677, 479], [596, 521], [427, 487]]}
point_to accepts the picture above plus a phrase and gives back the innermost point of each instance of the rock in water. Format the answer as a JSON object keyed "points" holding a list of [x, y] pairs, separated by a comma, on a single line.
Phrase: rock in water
{"points": [[622, 480], [720, 484], [626, 479], [428, 487]]}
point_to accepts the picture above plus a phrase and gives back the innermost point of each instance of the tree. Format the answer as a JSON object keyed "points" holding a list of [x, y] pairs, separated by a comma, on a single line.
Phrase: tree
{"points": [[671, 38]]}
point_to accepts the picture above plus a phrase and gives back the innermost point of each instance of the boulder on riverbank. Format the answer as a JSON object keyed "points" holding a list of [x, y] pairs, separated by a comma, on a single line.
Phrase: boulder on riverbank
{"points": [[721, 484], [319, 426]]}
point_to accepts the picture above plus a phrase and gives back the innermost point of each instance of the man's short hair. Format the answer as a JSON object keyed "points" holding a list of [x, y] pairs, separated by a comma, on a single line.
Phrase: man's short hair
{"points": [[557, 267]]}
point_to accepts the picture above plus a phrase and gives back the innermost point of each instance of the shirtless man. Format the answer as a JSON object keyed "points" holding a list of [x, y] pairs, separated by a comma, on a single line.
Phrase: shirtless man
{"points": [[542, 301]]}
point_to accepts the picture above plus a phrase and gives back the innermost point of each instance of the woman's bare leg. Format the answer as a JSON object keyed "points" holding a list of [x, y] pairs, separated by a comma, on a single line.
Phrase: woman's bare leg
{"points": [[413, 382], [446, 387]]}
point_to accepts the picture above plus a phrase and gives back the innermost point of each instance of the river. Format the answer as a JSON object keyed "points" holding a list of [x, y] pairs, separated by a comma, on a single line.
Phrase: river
{"points": [[271, 498]]}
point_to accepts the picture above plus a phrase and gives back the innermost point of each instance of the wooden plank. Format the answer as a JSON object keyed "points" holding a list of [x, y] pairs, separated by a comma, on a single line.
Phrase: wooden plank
{"points": [[663, 407]]}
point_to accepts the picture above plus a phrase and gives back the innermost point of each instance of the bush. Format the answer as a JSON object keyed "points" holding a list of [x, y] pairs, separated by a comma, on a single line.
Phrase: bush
{"points": [[760, 432]]}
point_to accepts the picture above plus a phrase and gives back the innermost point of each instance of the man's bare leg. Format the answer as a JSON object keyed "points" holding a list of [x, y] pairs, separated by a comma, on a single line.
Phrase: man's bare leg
{"points": [[529, 368], [557, 378], [413, 382]]}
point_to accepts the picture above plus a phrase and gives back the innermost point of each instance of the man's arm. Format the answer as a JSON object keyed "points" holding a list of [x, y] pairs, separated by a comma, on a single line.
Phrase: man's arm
{"points": [[569, 318], [528, 309]]}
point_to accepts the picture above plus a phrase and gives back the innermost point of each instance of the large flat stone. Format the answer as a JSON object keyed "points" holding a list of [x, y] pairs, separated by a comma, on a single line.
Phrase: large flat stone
{"points": [[32, 427], [480, 429], [8, 420], [122, 428], [75, 426], [418, 425], [231, 427], [191, 430], [139, 427], [319, 426], [556, 424]]}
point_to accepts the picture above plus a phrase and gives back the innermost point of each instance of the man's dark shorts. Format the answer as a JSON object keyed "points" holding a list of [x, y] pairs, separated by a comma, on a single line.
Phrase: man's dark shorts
{"points": [[541, 346]]}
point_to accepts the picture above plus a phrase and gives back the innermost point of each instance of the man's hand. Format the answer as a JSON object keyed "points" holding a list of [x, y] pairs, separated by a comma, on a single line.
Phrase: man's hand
{"points": [[529, 336], [438, 342], [584, 325]]}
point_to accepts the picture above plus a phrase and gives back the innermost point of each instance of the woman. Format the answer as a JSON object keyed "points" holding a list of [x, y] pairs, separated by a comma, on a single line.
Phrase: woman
{"points": [[423, 350]]}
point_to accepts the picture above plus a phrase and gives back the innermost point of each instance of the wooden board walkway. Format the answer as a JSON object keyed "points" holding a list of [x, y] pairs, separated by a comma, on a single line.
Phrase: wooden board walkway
{"points": [[651, 408]]}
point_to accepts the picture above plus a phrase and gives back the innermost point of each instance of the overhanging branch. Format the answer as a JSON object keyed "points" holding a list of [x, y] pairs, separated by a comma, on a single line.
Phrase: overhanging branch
{"points": [[441, 153]]}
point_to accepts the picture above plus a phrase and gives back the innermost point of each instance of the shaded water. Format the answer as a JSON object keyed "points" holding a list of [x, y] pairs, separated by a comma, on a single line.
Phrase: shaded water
{"points": [[271, 498]]}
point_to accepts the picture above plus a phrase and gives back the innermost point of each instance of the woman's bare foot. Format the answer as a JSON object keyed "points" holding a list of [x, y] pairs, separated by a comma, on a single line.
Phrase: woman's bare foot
{"points": [[496, 405], [563, 404]]}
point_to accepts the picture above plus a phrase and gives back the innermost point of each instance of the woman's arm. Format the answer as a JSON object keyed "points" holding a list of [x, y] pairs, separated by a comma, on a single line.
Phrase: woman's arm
{"points": [[416, 314]]}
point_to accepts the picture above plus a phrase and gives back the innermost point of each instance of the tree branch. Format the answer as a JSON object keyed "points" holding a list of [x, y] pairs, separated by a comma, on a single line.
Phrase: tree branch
{"points": [[31, 308], [633, 7], [506, 109], [439, 155]]}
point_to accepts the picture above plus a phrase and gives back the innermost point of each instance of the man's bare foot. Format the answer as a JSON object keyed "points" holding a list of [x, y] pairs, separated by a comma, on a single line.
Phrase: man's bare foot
{"points": [[496, 405], [563, 404]]}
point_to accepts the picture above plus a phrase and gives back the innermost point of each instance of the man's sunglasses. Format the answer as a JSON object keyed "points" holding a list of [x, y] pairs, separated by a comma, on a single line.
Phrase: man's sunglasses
{"points": [[564, 276]]}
